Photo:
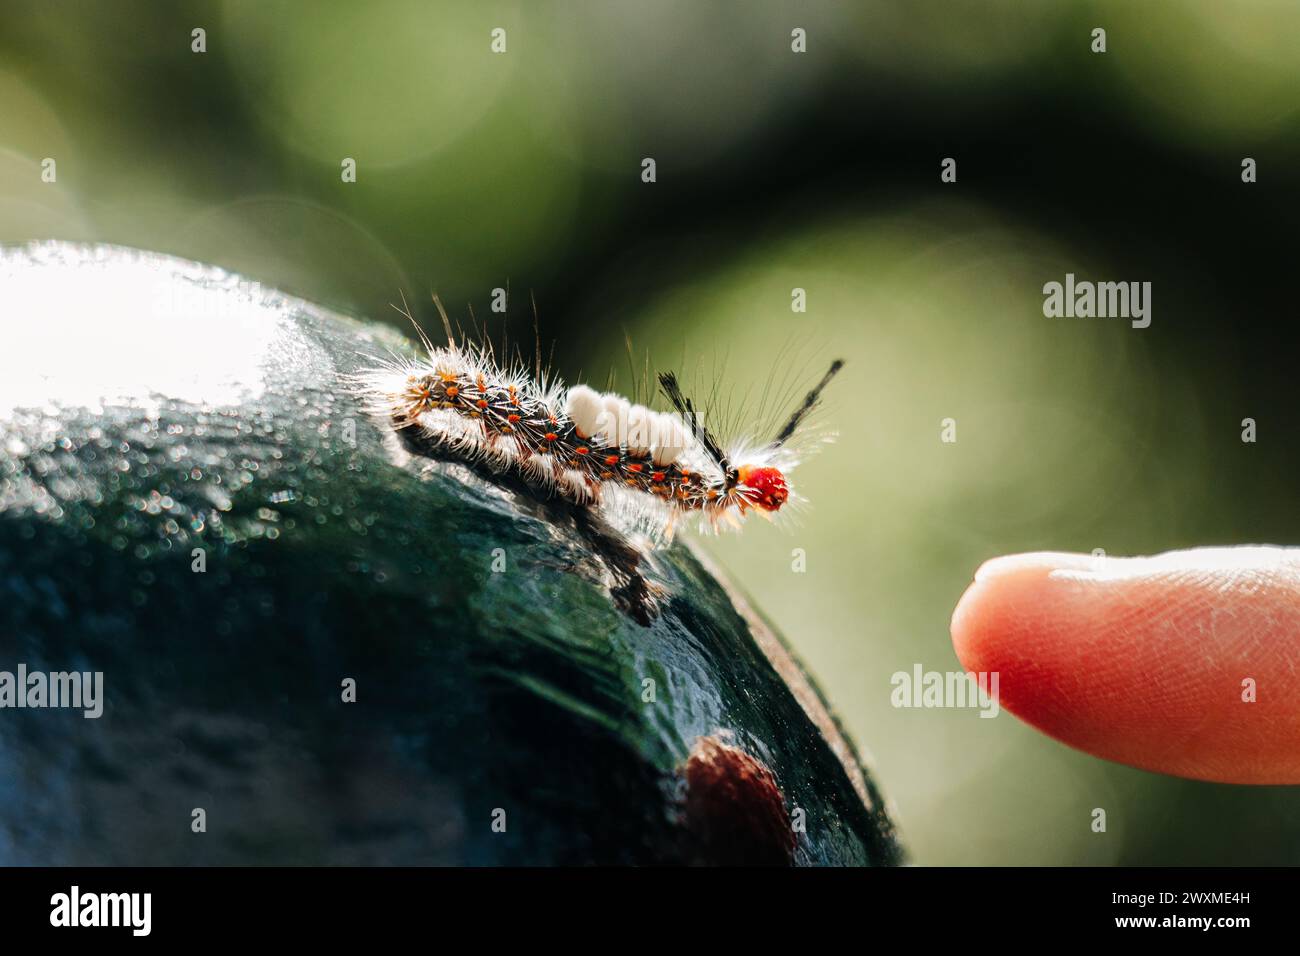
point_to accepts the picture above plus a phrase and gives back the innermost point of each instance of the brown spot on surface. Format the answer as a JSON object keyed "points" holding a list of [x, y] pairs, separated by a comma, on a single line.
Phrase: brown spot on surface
{"points": [[809, 698], [734, 810]]}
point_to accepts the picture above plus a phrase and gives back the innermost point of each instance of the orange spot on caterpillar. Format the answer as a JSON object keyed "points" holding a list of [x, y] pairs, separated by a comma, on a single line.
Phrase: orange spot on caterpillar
{"points": [[482, 403], [581, 450], [512, 418], [452, 391], [611, 459], [657, 476], [550, 436], [636, 469]]}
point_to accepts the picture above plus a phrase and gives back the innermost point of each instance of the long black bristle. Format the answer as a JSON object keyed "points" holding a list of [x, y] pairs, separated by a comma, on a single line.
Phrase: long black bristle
{"points": [[673, 392], [809, 403]]}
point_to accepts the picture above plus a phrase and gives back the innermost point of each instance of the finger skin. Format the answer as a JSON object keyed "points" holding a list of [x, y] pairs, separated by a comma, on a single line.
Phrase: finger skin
{"points": [[1142, 660]]}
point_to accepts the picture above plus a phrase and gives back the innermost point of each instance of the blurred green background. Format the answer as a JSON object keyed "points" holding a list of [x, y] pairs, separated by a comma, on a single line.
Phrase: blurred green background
{"points": [[778, 170]]}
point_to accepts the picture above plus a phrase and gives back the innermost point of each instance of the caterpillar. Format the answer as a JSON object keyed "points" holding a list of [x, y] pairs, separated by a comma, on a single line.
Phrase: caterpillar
{"points": [[586, 446]]}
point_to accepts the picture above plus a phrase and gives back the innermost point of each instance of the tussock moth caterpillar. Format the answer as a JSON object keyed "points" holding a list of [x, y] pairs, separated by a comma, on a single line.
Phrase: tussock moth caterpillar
{"points": [[644, 468]]}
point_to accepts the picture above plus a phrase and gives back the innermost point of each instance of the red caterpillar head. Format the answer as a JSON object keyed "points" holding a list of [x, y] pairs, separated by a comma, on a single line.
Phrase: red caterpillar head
{"points": [[764, 486]]}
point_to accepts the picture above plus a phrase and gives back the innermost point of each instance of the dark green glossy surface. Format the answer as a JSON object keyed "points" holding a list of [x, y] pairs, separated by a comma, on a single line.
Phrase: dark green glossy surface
{"points": [[331, 554]]}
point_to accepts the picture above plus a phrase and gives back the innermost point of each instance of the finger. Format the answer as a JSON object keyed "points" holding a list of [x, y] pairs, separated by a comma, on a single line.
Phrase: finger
{"points": [[1187, 663]]}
